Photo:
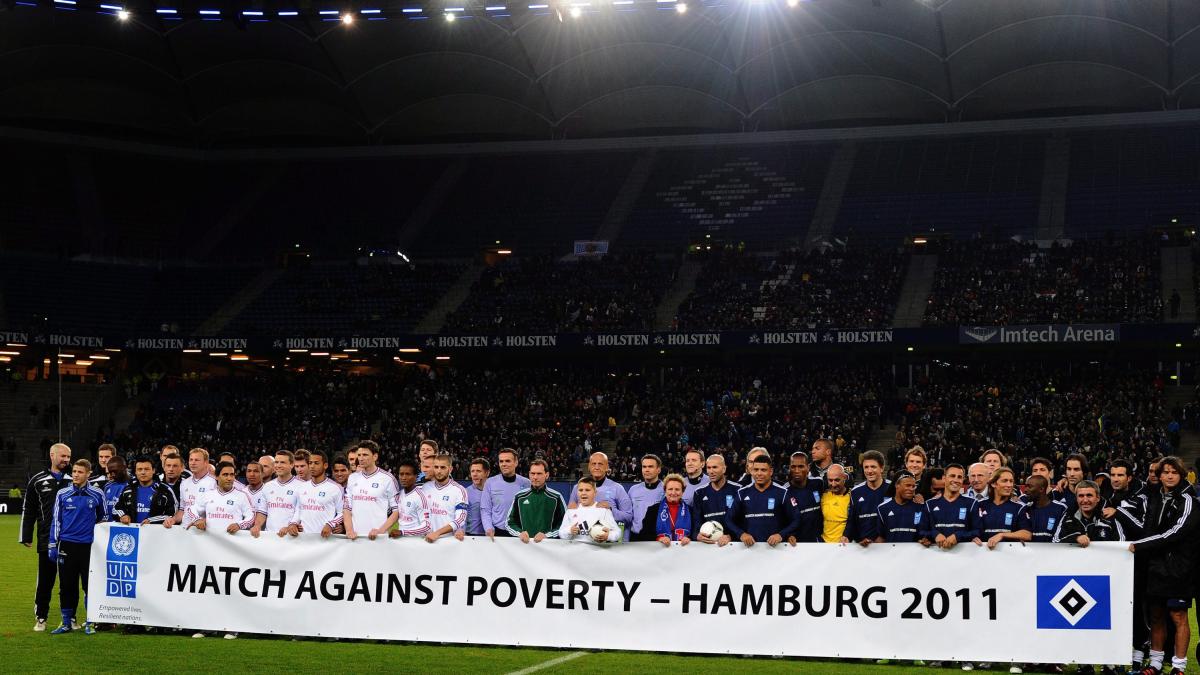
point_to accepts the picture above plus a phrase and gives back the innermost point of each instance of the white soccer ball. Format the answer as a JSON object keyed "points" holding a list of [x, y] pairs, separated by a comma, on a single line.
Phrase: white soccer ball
{"points": [[712, 529], [597, 531]]}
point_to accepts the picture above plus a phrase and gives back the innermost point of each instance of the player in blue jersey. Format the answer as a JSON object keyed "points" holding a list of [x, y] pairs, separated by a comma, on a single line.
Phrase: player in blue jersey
{"points": [[760, 512], [949, 515], [900, 518], [862, 525]]}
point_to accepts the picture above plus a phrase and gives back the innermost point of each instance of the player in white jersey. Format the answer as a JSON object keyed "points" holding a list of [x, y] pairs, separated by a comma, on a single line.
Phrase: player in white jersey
{"points": [[224, 509], [370, 496], [229, 457], [281, 497], [580, 520], [321, 500], [413, 506], [448, 502], [195, 487]]}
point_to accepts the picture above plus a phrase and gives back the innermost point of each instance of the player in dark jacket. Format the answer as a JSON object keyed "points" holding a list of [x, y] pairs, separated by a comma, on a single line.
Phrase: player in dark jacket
{"points": [[145, 500], [38, 510], [1087, 524], [1168, 546]]}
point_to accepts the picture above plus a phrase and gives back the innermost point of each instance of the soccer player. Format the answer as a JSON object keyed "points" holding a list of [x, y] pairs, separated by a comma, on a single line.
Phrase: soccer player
{"points": [[1087, 524], [578, 522], [1127, 506], [99, 477], [254, 487], [865, 498], [901, 517], [993, 459], [118, 479], [300, 464], [172, 472], [77, 509], [320, 500], [714, 501], [746, 478], [478, 471], [693, 465], [647, 493], [822, 457], [804, 499], [412, 509], [447, 500], [425, 454], [609, 493], [341, 470], [1167, 544], [498, 494], [371, 495], [760, 512], [268, 465], [675, 516], [224, 508], [978, 476], [38, 510], [195, 488], [1000, 518], [835, 506], [281, 498], [537, 511], [145, 501], [949, 514], [1045, 514], [162, 462], [1076, 470], [915, 461]]}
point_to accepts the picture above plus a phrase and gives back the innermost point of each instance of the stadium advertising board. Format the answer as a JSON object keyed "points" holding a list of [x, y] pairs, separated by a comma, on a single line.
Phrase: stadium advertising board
{"points": [[1049, 603], [1040, 334]]}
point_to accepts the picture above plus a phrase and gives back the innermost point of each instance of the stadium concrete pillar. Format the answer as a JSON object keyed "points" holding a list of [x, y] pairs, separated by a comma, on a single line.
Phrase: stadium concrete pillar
{"points": [[1052, 206], [411, 229], [829, 204]]}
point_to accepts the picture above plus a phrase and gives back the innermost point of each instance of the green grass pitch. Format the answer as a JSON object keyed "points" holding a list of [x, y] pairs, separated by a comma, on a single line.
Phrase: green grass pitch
{"points": [[23, 651]]}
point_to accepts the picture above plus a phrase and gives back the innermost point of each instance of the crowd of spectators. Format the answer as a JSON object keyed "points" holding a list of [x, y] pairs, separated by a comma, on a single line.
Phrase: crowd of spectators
{"points": [[558, 414], [1012, 282], [1027, 410], [790, 290], [540, 295]]}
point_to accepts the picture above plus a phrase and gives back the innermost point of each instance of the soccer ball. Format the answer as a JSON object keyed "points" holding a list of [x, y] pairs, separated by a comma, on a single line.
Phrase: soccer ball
{"points": [[712, 529], [596, 531]]}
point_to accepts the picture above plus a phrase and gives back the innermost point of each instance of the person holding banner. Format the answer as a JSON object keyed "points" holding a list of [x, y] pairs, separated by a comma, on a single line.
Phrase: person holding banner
{"points": [[446, 499], [835, 506], [413, 507], [714, 501], [499, 492], [804, 499], [647, 493], [281, 497], [320, 500], [77, 509], [1087, 523], [948, 515], [145, 501], [609, 493], [371, 495], [226, 508], [674, 522], [901, 518], [581, 521], [1168, 547], [693, 465], [196, 487], [760, 512], [1001, 518], [478, 472], [118, 480], [537, 511], [1045, 513], [862, 525]]}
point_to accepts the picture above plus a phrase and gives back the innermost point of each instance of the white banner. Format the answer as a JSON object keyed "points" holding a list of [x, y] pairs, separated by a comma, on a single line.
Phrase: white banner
{"points": [[1049, 603]]}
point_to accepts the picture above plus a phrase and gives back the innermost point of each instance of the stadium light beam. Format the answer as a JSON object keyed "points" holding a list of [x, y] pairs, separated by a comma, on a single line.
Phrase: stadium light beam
{"points": [[576, 12], [681, 7], [348, 18]]}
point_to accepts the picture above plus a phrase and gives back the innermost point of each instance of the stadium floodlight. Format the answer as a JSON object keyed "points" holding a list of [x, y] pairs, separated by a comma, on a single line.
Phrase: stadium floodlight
{"points": [[164, 10], [251, 12], [450, 16], [191, 351], [210, 12], [681, 7], [576, 12], [10, 353], [495, 8], [289, 12], [348, 18], [369, 11], [793, 3]]}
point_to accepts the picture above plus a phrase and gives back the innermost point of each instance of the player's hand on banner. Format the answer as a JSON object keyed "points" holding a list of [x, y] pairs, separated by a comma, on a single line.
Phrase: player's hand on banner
{"points": [[233, 528], [525, 537], [491, 534], [200, 524], [774, 540], [459, 534], [747, 539], [326, 531], [539, 538], [723, 540]]}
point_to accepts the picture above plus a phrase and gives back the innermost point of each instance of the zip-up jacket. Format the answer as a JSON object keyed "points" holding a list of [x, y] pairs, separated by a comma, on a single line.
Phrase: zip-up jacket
{"points": [[1167, 543], [162, 504], [537, 511], [76, 512], [38, 507]]}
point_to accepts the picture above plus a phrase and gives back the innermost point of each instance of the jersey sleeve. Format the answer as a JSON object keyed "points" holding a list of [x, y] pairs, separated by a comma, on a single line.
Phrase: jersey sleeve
{"points": [[735, 517], [56, 521], [248, 512], [558, 516], [485, 508], [513, 523]]}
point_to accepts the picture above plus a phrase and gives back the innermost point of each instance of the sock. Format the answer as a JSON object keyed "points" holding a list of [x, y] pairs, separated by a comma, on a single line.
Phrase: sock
{"points": [[1139, 655], [68, 615], [1156, 658], [1180, 663]]}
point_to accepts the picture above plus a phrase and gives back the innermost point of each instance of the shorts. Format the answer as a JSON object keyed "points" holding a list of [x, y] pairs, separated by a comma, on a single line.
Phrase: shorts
{"points": [[1170, 603]]}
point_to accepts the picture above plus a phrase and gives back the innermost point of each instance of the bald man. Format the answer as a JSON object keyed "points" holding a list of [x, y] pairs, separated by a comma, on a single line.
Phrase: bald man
{"points": [[835, 506], [38, 510], [609, 493], [714, 501], [268, 466]]}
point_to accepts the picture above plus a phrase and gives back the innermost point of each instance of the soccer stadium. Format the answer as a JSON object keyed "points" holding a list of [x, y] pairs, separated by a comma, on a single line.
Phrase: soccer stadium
{"points": [[817, 336]]}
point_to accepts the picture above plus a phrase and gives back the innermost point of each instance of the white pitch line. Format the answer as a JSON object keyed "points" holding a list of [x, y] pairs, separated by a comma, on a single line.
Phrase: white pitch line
{"points": [[548, 664]]}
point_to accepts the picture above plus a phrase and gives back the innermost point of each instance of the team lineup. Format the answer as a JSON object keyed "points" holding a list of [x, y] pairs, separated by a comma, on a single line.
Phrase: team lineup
{"points": [[353, 496]]}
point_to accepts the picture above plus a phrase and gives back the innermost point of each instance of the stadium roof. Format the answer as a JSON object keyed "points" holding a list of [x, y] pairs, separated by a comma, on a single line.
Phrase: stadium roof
{"points": [[521, 71]]}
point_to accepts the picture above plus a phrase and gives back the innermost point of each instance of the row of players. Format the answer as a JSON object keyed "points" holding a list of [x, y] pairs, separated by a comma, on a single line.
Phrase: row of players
{"points": [[814, 505]]}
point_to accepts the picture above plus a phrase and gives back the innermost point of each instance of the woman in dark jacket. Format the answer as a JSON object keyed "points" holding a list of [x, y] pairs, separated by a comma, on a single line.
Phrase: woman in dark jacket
{"points": [[1169, 550]]}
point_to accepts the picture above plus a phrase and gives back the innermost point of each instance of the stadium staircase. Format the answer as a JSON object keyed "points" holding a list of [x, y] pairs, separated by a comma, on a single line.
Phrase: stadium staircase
{"points": [[1052, 208], [914, 294], [882, 439], [214, 324], [1189, 441], [431, 203], [455, 295], [85, 408], [825, 214], [1176, 274], [622, 205], [685, 283]]}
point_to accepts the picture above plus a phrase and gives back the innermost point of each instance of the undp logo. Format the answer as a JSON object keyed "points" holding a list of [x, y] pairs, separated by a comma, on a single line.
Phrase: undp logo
{"points": [[1074, 603], [121, 562]]}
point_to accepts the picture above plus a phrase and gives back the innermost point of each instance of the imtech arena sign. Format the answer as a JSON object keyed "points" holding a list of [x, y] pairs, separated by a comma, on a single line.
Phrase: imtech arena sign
{"points": [[1040, 334]]}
